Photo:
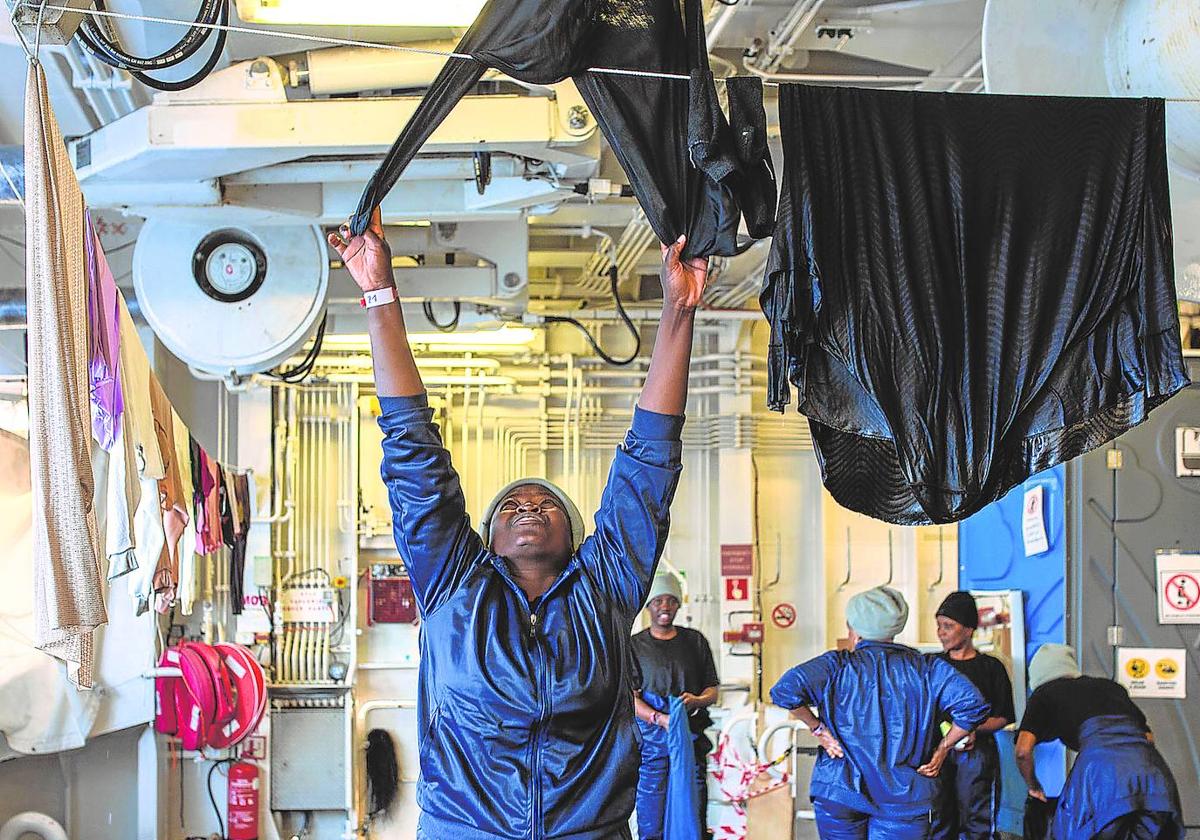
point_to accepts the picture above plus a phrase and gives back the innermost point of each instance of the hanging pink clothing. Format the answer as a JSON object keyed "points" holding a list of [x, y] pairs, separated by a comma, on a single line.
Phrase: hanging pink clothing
{"points": [[208, 526], [104, 341]]}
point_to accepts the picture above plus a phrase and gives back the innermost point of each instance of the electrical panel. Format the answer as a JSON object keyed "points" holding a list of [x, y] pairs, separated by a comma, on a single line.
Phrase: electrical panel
{"points": [[390, 598]]}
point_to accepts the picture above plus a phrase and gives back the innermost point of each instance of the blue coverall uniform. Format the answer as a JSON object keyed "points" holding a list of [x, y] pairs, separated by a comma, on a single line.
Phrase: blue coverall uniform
{"points": [[881, 701], [525, 710]]}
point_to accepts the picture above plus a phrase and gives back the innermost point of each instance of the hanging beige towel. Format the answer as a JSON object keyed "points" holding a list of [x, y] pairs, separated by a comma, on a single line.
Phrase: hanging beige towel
{"points": [[135, 390], [68, 590]]}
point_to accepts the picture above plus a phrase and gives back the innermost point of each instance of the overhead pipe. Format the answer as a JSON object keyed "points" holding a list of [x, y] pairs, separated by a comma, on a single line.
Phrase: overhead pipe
{"points": [[856, 79], [335, 70], [784, 35], [717, 28], [14, 313]]}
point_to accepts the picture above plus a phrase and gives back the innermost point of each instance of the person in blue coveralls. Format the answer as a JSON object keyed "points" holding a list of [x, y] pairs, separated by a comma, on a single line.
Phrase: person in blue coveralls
{"points": [[670, 662], [971, 775], [525, 701], [878, 707], [1119, 788]]}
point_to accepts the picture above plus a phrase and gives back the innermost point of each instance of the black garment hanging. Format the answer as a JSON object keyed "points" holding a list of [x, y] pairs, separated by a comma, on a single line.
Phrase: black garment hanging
{"points": [[241, 535], [693, 171], [965, 290]]}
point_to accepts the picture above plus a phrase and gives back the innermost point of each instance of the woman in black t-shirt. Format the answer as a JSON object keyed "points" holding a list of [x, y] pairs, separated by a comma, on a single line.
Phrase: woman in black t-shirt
{"points": [[971, 775], [669, 662], [1120, 788]]}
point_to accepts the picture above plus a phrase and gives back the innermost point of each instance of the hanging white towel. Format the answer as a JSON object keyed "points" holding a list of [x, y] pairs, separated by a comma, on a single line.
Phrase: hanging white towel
{"points": [[68, 586], [187, 546]]}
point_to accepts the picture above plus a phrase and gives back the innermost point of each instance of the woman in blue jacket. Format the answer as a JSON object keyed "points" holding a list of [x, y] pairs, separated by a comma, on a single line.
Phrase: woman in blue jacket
{"points": [[525, 696], [878, 708], [1120, 788]]}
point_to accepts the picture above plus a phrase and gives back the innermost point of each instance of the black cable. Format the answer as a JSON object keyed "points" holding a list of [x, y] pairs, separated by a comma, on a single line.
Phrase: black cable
{"points": [[637, 337], [306, 365], [449, 326], [208, 784], [340, 627], [101, 52], [180, 51]]}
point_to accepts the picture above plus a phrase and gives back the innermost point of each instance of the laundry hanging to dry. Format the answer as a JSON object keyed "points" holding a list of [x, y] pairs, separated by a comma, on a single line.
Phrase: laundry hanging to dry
{"points": [[693, 171], [966, 290], [68, 583]]}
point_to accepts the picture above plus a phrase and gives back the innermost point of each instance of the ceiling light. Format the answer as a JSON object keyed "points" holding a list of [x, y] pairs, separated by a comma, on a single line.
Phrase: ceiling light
{"points": [[504, 337], [361, 12]]}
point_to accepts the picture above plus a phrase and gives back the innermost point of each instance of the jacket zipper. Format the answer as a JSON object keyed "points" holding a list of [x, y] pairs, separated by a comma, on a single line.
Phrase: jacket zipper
{"points": [[535, 764], [536, 828]]}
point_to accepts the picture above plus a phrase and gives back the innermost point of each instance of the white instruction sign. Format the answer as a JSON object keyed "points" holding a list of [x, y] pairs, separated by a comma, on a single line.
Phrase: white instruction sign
{"points": [[1187, 451], [1033, 521], [310, 605], [1153, 672], [1178, 578]]}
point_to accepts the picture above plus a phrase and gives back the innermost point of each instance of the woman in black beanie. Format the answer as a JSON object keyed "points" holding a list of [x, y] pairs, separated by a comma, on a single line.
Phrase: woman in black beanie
{"points": [[971, 775]]}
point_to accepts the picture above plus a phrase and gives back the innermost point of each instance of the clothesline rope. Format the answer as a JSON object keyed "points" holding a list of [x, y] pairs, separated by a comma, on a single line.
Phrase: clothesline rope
{"points": [[351, 42]]}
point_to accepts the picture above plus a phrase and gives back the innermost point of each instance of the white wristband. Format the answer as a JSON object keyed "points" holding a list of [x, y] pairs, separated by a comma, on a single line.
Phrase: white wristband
{"points": [[378, 297]]}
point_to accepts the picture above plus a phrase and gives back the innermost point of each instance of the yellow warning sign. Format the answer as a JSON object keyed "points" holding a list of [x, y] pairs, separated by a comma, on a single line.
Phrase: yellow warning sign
{"points": [[1153, 672], [1137, 668], [1166, 668]]}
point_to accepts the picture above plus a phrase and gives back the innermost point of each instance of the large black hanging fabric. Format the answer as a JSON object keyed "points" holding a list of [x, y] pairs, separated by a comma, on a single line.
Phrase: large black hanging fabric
{"points": [[966, 290], [693, 170]]}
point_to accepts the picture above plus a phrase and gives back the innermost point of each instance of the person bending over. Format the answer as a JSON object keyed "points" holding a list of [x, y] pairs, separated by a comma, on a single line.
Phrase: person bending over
{"points": [[525, 715], [1119, 787]]}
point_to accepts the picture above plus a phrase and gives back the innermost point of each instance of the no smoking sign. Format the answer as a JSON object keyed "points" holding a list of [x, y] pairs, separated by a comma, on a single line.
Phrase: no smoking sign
{"points": [[1178, 588], [783, 615]]}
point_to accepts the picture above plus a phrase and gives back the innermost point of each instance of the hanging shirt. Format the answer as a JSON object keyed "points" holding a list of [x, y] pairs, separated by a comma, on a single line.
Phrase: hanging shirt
{"points": [[68, 596], [175, 504], [123, 495], [668, 668], [987, 673], [124, 484], [183, 459], [967, 290], [240, 500], [135, 365], [882, 702], [104, 340], [692, 171]]}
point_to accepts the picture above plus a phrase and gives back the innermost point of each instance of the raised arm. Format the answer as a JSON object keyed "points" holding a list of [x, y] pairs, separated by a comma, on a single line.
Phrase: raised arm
{"points": [[369, 261], [429, 517], [665, 391], [634, 514]]}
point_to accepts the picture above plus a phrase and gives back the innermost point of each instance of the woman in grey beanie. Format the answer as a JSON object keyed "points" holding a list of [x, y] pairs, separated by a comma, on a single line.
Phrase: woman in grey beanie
{"points": [[878, 708]]}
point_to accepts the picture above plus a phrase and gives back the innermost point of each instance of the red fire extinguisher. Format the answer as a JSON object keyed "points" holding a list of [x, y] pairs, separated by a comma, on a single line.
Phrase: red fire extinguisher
{"points": [[242, 807]]}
